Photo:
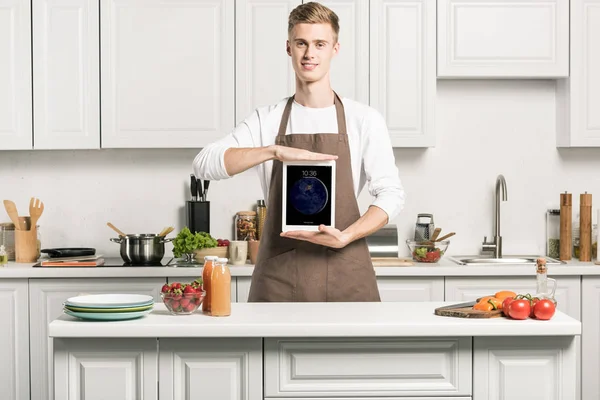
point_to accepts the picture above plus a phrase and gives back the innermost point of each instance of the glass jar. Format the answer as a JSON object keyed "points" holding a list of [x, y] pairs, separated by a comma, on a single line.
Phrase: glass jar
{"points": [[575, 236], [7, 238], [595, 242], [245, 225], [553, 233]]}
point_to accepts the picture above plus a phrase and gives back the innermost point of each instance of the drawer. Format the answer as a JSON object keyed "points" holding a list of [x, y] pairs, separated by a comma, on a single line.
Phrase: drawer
{"points": [[374, 398], [369, 367]]}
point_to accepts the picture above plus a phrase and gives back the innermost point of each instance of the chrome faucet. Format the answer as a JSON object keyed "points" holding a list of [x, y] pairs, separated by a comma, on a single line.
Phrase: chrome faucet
{"points": [[496, 245]]}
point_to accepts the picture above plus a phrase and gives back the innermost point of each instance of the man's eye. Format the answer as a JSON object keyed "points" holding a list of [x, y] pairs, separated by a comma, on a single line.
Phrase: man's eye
{"points": [[300, 44], [320, 45]]}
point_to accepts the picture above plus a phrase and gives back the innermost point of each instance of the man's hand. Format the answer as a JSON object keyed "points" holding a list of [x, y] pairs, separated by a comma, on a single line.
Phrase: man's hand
{"points": [[326, 236], [284, 153]]}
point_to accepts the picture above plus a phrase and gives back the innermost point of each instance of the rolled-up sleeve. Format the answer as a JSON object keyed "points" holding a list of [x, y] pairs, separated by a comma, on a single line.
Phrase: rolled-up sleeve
{"points": [[380, 166]]}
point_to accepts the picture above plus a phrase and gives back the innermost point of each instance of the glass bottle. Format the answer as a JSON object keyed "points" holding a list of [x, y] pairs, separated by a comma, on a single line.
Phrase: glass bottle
{"points": [[575, 236], [220, 287], [542, 280], [3, 256], [553, 233], [595, 242], [206, 281]]}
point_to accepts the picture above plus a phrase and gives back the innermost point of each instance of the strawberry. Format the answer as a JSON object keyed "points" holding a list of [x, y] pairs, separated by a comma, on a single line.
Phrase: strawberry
{"points": [[166, 287], [176, 294], [190, 307], [176, 285], [175, 305], [189, 289], [184, 303]]}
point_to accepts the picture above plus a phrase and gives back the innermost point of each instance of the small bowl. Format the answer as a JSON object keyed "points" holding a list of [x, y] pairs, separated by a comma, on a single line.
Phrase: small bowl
{"points": [[425, 253], [220, 251], [183, 304]]}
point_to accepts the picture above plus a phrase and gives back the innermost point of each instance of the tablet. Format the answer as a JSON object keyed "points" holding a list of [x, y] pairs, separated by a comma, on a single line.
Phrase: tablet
{"points": [[308, 195]]}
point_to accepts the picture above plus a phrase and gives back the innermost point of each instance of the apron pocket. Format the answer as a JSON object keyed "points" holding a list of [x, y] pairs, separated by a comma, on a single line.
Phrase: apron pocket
{"points": [[349, 278], [274, 279]]}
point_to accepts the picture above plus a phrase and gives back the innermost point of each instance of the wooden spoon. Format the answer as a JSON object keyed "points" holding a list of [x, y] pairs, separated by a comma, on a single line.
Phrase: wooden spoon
{"points": [[11, 209], [36, 208], [114, 228], [166, 231], [445, 237]]}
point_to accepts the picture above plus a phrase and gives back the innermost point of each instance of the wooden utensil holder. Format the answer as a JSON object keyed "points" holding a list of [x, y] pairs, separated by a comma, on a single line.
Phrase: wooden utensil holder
{"points": [[26, 247]]}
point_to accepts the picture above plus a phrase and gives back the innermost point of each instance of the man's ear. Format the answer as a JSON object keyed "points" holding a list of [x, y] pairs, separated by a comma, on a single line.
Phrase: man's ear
{"points": [[336, 48], [288, 48]]}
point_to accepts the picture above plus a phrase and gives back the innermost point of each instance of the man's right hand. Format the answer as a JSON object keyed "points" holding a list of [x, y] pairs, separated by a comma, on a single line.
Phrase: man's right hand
{"points": [[284, 153]]}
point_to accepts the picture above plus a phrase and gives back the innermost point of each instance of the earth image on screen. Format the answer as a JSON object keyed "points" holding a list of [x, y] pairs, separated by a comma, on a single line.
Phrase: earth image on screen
{"points": [[309, 196]]}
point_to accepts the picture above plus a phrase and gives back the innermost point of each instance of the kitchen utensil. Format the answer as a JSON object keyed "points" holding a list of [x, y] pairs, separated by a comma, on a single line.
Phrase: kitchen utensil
{"points": [[424, 227], [11, 210], [198, 216], [566, 226], [69, 252], [425, 252], [391, 262], [36, 208], [206, 183], [445, 237], [465, 310], [26, 246], [142, 249], [194, 187], [25, 223], [436, 233], [110, 309], [108, 316], [166, 231], [108, 300], [585, 227], [114, 228], [238, 252]]}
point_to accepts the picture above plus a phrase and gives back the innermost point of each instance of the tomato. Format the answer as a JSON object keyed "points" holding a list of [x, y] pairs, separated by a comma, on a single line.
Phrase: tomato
{"points": [[519, 309], [505, 305], [544, 309], [533, 303]]}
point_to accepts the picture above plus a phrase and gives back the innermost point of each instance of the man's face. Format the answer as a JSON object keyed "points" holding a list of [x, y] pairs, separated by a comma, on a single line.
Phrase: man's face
{"points": [[312, 46]]}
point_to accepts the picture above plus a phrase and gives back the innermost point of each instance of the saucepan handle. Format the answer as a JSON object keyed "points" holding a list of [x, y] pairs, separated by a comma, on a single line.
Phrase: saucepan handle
{"points": [[115, 240], [166, 240]]}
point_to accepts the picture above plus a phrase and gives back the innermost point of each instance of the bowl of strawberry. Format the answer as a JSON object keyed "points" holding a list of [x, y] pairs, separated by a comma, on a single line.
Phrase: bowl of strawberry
{"points": [[183, 298], [427, 252]]}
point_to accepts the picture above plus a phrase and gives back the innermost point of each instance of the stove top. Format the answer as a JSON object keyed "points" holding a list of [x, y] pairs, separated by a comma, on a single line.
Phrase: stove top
{"points": [[118, 262]]}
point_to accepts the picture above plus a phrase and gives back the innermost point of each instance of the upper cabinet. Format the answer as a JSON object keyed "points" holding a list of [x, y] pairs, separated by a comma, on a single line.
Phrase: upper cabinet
{"points": [[167, 72], [578, 98], [513, 39], [66, 74], [402, 74], [15, 75], [264, 73]]}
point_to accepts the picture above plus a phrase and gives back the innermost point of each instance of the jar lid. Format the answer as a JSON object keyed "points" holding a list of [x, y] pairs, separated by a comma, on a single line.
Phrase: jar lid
{"points": [[211, 258], [554, 212], [9, 226], [247, 213], [223, 260]]}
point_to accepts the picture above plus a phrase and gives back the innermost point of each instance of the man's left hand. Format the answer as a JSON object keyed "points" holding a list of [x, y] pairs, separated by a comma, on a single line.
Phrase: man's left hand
{"points": [[325, 236]]}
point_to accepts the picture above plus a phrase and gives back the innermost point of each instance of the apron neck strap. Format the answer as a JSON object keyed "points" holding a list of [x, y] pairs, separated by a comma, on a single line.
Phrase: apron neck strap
{"points": [[339, 111]]}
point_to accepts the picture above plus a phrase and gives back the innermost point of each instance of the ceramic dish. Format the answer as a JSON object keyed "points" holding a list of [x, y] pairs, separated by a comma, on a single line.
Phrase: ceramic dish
{"points": [[108, 316], [110, 300], [109, 310]]}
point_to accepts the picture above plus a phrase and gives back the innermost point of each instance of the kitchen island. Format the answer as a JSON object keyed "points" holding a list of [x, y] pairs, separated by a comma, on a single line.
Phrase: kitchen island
{"points": [[317, 351]]}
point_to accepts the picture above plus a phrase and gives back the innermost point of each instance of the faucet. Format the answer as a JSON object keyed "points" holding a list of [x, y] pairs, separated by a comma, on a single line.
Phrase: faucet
{"points": [[496, 245]]}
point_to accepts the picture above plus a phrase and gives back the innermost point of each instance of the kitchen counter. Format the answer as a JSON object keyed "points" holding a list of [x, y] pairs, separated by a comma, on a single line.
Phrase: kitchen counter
{"points": [[443, 268], [314, 320]]}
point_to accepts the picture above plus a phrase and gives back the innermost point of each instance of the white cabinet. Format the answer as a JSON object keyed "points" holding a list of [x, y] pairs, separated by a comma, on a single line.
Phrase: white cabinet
{"points": [[402, 69], [91, 369], [410, 289], [167, 71], [15, 75], [578, 98], [243, 288], [190, 279], [14, 340], [224, 369], [567, 294], [264, 73], [490, 38], [66, 74], [524, 368], [590, 338], [46, 298]]}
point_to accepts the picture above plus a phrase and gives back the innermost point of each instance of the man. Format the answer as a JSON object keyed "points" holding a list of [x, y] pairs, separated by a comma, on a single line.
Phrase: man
{"points": [[332, 264]]}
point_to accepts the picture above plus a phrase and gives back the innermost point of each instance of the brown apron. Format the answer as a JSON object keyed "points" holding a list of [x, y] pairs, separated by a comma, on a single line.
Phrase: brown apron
{"points": [[290, 270]]}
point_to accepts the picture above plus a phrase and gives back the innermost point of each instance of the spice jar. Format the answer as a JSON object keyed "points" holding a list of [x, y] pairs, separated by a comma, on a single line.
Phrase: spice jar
{"points": [[7, 238], [553, 233], [595, 242], [245, 225]]}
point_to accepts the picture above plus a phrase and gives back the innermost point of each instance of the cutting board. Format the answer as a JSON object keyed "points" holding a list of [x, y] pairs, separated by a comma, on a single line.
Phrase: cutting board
{"points": [[465, 310], [391, 262]]}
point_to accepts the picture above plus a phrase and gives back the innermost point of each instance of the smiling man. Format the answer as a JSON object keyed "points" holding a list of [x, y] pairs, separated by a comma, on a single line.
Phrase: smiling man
{"points": [[332, 264]]}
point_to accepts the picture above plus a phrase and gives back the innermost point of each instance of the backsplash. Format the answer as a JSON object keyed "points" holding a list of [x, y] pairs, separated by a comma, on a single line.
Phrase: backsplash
{"points": [[484, 128]]}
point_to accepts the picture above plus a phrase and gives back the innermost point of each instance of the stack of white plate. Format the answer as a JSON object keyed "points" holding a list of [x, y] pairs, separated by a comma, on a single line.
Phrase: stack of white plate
{"points": [[109, 307]]}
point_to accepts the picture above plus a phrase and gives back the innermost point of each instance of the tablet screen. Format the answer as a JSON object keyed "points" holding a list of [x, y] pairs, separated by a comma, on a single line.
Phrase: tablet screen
{"points": [[309, 195]]}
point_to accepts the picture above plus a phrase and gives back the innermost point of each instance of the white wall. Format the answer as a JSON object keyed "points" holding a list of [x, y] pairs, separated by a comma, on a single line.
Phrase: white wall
{"points": [[484, 128]]}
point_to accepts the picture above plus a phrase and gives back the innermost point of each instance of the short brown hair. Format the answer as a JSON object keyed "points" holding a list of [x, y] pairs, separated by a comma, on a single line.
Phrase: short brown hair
{"points": [[314, 13]]}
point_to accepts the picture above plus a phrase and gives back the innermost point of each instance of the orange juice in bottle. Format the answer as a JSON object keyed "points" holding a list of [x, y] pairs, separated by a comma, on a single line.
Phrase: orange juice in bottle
{"points": [[206, 276], [220, 287]]}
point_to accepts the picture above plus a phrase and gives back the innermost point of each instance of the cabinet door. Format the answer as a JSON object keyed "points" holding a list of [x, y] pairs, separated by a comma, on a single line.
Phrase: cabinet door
{"points": [[590, 338], [243, 288], [14, 339], [46, 298], [167, 71], [578, 98], [402, 73], [224, 369], [264, 73], [189, 279], [89, 369], [409, 289], [350, 68], [467, 289], [490, 38], [15, 75], [66, 74]]}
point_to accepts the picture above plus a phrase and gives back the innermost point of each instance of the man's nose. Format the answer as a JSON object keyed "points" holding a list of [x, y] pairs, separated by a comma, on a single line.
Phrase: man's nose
{"points": [[308, 54]]}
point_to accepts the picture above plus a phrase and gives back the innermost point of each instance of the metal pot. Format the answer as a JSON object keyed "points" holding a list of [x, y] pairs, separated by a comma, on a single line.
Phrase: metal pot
{"points": [[144, 249]]}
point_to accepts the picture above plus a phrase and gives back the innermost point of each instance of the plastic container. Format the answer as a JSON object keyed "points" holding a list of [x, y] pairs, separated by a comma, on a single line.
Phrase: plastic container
{"points": [[553, 233]]}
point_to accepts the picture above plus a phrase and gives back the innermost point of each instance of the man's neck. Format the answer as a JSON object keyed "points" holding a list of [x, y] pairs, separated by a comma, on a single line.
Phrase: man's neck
{"points": [[314, 95]]}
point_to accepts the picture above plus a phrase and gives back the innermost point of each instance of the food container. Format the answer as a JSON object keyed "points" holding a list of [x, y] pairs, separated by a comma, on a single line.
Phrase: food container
{"points": [[553, 233], [245, 225], [143, 249], [184, 303], [427, 252], [219, 251], [7, 238]]}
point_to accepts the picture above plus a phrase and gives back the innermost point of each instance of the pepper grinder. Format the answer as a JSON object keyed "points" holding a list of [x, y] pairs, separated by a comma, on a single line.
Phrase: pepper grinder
{"points": [[565, 226], [585, 226]]}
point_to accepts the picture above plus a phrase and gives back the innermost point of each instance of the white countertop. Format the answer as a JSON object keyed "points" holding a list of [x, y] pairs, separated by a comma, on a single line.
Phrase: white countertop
{"points": [[314, 320], [443, 268]]}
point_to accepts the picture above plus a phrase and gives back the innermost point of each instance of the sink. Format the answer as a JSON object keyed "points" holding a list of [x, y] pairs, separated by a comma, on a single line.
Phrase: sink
{"points": [[516, 260]]}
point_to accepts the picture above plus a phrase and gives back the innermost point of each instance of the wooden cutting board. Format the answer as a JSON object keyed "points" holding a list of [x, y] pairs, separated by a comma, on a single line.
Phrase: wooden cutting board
{"points": [[465, 310], [391, 262]]}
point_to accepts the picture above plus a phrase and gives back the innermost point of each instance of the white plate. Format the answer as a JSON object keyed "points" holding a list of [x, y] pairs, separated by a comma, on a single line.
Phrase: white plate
{"points": [[107, 316], [110, 300]]}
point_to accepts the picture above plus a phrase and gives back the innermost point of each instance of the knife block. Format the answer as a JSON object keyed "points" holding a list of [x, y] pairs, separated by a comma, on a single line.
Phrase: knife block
{"points": [[198, 216], [26, 247]]}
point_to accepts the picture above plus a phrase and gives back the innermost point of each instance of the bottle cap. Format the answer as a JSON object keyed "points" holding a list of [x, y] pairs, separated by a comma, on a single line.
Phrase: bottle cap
{"points": [[212, 258], [260, 203], [2, 249], [223, 260]]}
